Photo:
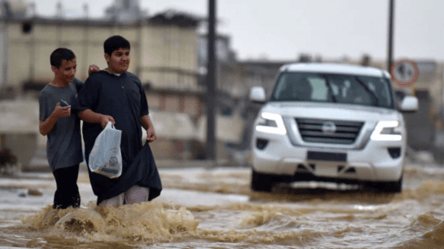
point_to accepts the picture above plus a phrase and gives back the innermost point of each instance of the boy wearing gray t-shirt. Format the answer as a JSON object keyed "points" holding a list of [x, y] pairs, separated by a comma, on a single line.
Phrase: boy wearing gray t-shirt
{"points": [[59, 121]]}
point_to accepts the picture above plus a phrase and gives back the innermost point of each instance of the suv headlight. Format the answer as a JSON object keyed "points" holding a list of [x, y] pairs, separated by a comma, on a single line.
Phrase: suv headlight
{"points": [[271, 123], [387, 131]]}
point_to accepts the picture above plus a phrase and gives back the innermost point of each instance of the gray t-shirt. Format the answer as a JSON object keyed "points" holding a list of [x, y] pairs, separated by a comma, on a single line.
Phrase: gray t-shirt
{"points": [[64, 148]]}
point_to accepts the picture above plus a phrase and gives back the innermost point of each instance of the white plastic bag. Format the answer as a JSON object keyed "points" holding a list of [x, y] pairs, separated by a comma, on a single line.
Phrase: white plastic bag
{"points": [[105, 157]]}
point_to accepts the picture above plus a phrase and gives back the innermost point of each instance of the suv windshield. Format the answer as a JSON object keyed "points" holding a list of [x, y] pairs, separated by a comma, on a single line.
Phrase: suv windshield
{"points": [[334, 88]]}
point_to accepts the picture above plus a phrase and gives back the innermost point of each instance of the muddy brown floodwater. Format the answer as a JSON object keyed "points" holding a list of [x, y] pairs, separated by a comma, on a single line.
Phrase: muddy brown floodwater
{"points": [[214, 208]]}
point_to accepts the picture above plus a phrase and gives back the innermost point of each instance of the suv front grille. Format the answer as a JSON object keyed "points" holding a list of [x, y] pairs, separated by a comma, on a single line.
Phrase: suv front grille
{"points": [[328, 131]]}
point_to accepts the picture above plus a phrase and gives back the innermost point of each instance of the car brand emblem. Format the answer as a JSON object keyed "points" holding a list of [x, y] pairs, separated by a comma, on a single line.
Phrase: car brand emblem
{"points": [[328, 127]]}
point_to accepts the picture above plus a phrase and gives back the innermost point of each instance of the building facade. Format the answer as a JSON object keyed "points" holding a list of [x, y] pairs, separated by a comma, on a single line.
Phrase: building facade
{"points": [[163, 55]]}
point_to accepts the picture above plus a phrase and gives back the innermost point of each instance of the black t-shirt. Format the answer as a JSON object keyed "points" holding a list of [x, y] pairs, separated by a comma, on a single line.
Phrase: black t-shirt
{"points": [[123, 98]]}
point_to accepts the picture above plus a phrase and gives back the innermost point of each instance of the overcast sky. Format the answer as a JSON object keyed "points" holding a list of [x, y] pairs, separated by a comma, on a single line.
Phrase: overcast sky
{"points": [[282, 29]]}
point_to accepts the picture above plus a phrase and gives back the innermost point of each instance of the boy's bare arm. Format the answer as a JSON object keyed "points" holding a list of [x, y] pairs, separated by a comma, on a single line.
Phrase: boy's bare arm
{"points": [[59, 112], [94, 117]]}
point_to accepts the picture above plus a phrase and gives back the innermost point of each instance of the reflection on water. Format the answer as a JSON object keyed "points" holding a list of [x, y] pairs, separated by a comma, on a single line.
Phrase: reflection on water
{"points": [[216, 209]]}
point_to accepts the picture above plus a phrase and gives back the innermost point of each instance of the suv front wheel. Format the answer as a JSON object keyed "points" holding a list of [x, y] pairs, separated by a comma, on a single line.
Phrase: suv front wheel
{"points": [[392, 187], [388, 187], [261, 182]]}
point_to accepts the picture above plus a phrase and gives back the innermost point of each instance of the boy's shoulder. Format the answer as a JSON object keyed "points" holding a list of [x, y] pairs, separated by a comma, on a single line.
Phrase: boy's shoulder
{"points": [[133, 77], [97, 75], [76, 85], [97, 79], [45, 91], [77, 81]]}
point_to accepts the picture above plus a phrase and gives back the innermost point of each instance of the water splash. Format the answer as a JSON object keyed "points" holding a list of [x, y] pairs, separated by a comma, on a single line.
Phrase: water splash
{"points": [[138, 222]]}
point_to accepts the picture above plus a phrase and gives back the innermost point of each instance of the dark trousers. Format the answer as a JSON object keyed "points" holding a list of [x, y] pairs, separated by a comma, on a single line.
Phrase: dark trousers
{"points": [[67, 193]]}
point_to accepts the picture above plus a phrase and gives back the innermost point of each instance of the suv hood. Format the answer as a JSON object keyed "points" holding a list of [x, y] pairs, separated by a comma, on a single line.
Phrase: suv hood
{"points": [[332, 111]]}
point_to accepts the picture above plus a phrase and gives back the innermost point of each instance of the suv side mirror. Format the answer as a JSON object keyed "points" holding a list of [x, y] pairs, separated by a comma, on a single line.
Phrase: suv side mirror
{"points": [[257, 94], [409, 104]]}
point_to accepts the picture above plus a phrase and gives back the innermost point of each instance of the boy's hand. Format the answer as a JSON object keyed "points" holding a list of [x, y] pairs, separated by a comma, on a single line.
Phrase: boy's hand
{"points": [[150, 134], [104, 119], [61, 112], [92, 69]]}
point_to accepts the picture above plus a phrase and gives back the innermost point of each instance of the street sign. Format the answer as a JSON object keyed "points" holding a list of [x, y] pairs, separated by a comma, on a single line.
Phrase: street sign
{"points": [[404, 73]]}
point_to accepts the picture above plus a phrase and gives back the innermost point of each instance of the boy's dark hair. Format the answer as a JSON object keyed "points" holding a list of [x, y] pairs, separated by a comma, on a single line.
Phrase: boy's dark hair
{"points": [[115, 43], [59, 55]]}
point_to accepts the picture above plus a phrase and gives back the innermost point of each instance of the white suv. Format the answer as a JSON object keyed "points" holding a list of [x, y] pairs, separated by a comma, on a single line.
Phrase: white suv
{"points": [[330, 122]]}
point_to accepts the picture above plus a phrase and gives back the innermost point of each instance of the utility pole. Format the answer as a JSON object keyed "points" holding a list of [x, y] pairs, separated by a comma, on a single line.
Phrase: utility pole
{"points": [[442, 96], [211, 82], [390, 35], [4, 49]]}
